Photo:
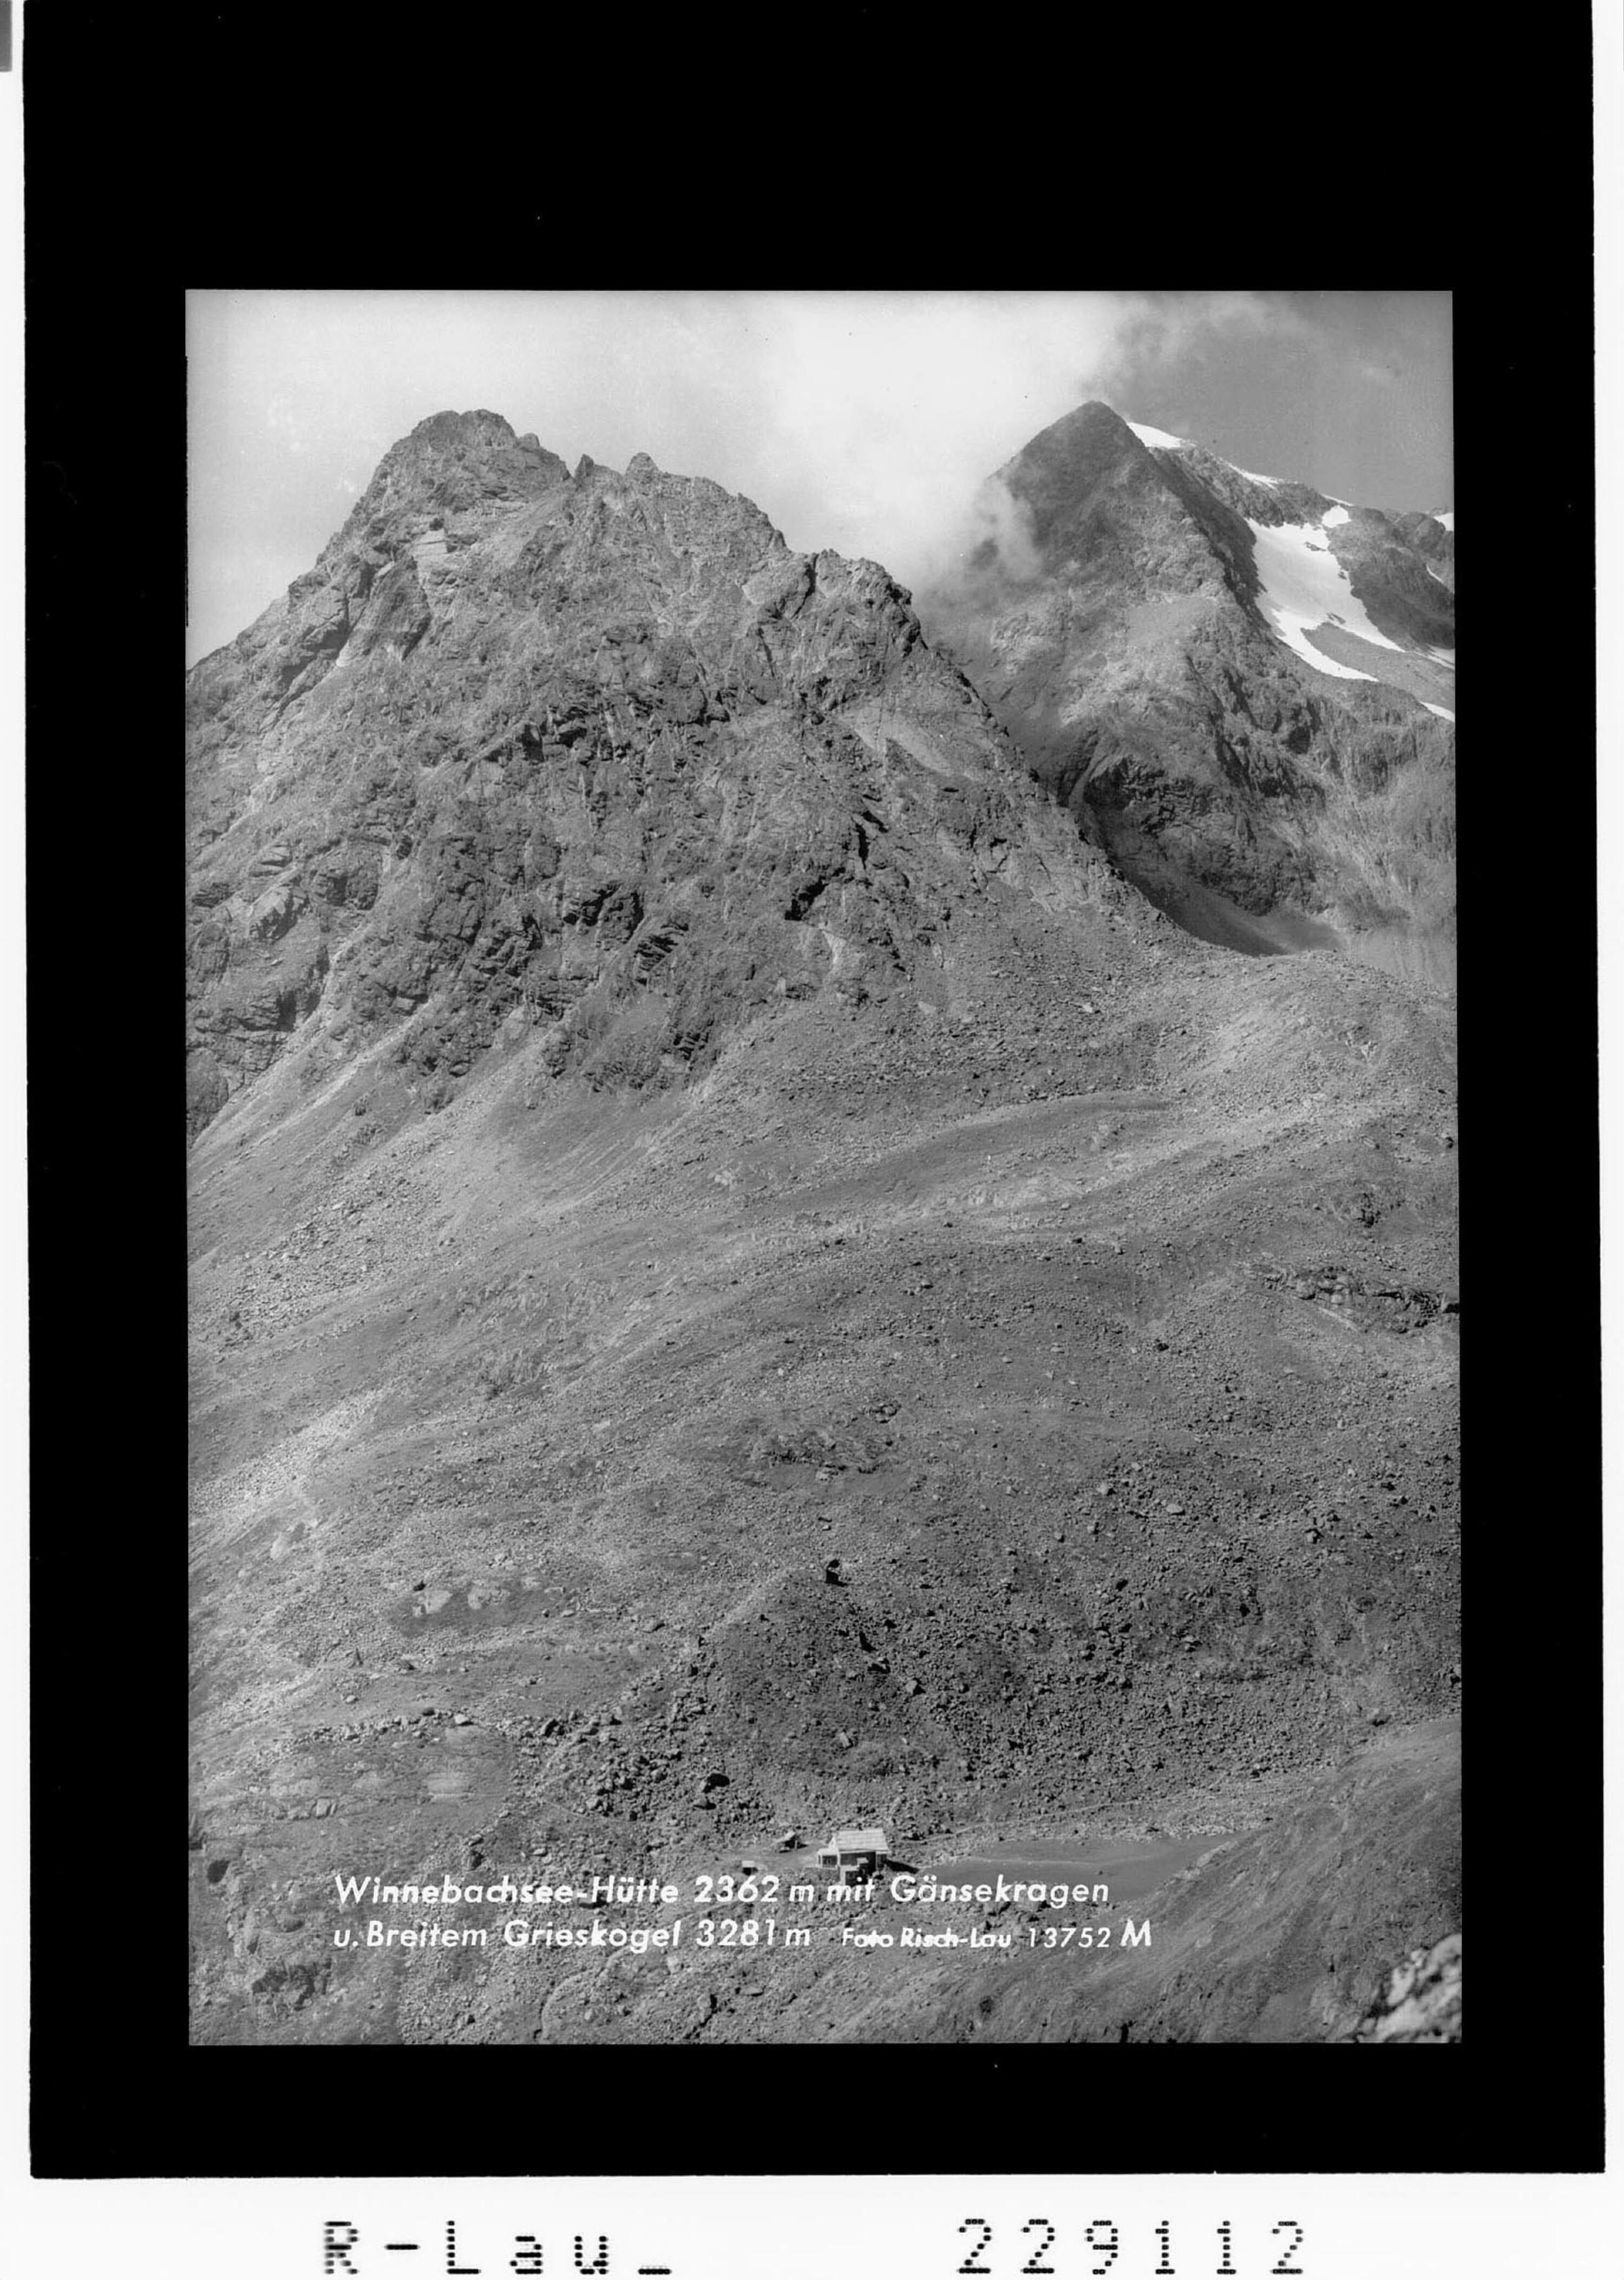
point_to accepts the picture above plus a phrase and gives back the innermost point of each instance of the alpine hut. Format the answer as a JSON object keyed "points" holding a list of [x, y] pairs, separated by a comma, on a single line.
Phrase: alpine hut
{"points": [[855, 1854]]}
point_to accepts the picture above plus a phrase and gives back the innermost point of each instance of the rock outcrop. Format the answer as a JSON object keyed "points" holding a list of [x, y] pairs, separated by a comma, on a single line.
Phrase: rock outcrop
{"points": [[1419, 2001]]}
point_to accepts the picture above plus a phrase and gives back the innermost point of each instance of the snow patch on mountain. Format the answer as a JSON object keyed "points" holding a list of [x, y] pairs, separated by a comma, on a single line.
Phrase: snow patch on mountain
{"points": [[1301, 585], [1442, 711], [1334, 517], [1271, 481], [1155, 439], [1431, 572], [1448, 520], [1293, 638]]}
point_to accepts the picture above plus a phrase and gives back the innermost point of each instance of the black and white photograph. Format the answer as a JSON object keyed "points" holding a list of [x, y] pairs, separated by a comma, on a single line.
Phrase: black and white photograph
{"points": [[823, 1305], [835, 981]]}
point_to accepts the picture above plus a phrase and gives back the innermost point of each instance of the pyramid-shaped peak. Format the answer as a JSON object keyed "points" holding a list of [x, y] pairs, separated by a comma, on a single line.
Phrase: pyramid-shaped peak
{"points": [[1066, 465], [1099, 420], [1095, 435], [1095, 418]]}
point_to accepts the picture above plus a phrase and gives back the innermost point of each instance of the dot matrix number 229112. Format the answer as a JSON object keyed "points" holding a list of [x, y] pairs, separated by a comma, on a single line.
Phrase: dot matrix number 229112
{"points": [[1102, 2240]]}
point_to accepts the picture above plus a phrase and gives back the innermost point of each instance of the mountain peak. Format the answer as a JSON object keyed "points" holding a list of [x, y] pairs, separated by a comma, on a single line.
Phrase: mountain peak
{"points": [[454, 427], [507, 699], [1068, 469], [1089, 484], [1184, 650], [1101, 420], [1095, 419], [450, 462]]}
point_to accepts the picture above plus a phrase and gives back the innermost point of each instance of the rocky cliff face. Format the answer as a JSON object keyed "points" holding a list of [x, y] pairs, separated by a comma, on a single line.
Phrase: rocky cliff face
{"points": [[1241, 687], [596, 754]]}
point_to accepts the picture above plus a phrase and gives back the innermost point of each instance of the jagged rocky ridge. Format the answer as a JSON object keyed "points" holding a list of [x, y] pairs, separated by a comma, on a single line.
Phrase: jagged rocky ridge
{"points": [[592, 751], [1116, 615]]}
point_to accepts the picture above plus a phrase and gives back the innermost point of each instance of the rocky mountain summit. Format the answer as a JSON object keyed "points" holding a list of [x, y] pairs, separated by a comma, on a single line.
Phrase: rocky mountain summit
{"points": [[1241, 687], [594, 752], [745, 1280]]}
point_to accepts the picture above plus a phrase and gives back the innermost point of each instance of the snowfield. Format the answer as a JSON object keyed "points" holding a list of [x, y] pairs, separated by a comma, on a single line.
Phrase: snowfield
{"points": [[1158, 439], [1334, 517], [1303, 585], [1448, 520], [1155, 439], [1442, 711]]}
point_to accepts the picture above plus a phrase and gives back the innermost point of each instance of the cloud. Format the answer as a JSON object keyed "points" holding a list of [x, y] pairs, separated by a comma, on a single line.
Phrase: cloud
{"points": [[885, 413], [980, 551], [1000, 523], [1164, 326], [284, 421]]}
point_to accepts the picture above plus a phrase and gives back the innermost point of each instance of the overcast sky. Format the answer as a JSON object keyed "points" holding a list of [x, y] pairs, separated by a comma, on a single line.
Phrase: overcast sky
{"points": [[859, 421]]}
